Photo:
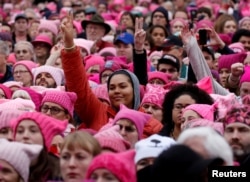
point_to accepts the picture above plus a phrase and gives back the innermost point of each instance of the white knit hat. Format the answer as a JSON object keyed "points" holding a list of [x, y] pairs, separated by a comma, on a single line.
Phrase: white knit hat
{"points": [[152, 146], [19, 155], [56, 73]]}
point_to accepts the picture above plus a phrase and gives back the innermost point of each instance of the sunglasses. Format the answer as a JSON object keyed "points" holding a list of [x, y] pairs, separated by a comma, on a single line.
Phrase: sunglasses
{"points": [[128, 129]]}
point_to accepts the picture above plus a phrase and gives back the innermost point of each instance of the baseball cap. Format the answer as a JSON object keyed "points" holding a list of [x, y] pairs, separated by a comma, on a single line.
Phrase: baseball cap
{"points": [[21, 16], [125, 38], [170, 59], [171, 40]]}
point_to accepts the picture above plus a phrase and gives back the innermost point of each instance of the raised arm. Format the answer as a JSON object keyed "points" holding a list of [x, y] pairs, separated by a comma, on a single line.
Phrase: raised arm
{"points": [[76, 79]]}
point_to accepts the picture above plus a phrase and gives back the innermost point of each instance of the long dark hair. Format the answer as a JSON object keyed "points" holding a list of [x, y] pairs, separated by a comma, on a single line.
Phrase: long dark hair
{"points": [[200, 97]]}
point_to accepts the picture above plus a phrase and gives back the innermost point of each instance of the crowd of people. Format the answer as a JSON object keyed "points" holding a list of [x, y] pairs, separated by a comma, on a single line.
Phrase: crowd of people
{"points": [[123, 90]]}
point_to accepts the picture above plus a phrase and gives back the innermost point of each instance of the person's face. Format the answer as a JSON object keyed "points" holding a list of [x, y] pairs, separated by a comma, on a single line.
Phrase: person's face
{"points": [[55, 110], [154, 110], [177, 27], [6, 133], [94, 69], [79, 17], [209, 59], [190, 115], [105, 75], [180, 103], [144, 163], [180, 14], [128, 131], [124, 50], [158, 36], [8, 173], [22, 52], [94, 32], [154, 61], [126, 21], [103, 175], [21, 25], [169, 69], [223, 74], [246, 25], [157, 81], [229, 27], [246, 42], [46, 32], [29, 132], [33, 30], [244, 89], [21, 74], [41, 50], [46, 80], [238, 137], [159, 19], [101, 9], [74, 163], [121, 91]]}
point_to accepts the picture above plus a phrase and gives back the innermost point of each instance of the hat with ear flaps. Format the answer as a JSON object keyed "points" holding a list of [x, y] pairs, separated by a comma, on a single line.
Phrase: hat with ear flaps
{"points": [[135, 84], [139, 119], [49, 126]]}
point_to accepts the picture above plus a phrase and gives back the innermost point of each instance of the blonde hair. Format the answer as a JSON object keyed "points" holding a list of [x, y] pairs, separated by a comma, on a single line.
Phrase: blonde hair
{"points": [[21, 94], [83, 140], [29, 45]]}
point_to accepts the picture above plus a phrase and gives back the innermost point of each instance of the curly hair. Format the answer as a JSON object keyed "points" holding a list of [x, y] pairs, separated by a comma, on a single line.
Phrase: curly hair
{"points": [[200, 97]]}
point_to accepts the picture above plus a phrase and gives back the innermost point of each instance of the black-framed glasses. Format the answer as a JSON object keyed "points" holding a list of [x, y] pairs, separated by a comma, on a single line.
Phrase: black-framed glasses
{"points": [[128, 129], [53, 110]]}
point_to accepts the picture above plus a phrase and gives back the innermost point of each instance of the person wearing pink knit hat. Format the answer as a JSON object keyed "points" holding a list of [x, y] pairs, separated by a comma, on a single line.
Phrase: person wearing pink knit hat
{"points": [[131, 124], [48, 76], [107, 69], [154, 57], [177, 25], [85, 46], [49, 28], [59, 105], [101, 92], [153, 99], [93, 63], [5, 92], [158, 78], [245, 82], [120, 166], [13, 85], [22, 72], [237, 47], [15, 160]]}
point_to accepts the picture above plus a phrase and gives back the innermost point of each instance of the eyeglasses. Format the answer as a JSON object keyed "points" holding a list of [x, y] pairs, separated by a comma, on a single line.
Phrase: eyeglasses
{"points": [[20, 72], [179, 107], [53, 110], [128, 129]]}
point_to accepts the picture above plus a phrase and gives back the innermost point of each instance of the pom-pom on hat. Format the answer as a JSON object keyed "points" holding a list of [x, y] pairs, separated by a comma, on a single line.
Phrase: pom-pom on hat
{"points": [[49, 126], [120, 165], [139, 119], [19, 156], [152, 147], [62, 98], [56, 73]]}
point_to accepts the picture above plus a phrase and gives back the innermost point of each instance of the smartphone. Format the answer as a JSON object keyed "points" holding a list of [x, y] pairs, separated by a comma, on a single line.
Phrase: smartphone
{"points": [[193, 14], [203, 37]]}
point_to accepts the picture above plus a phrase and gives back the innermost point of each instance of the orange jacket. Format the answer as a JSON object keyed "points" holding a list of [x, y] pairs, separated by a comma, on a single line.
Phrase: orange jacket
{"points": [[92, 112]]}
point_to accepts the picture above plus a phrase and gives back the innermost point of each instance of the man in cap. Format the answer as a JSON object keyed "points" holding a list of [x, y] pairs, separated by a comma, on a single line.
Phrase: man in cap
{"points": [[237, 132], [21, 29]]}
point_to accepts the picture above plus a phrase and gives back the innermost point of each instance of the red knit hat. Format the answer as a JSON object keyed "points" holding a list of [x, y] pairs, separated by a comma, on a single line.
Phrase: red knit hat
{"points": [[119, 164], [49, 126], [65, 99]]}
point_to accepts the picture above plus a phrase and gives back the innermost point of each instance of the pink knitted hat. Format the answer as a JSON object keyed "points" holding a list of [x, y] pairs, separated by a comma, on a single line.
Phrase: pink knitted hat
{"points": [[18, 104], [154, 95], [11, 58], [19, 156], [49, 126], [13, 84], [205, 84], [204, 110], [6, 115], [246, 75], [6, 90], [64, 99], [158, 75], [77, 25], [226, 61], [56, 73], [204, 24], [237, 47], [111, 51], [83, 43], [93, 60], [155, 53], [217, 126], [101, 92], [111, 139], [36, 97], [139, 119], [172, 22], [119, 164], [48, 25], [27, 63]]}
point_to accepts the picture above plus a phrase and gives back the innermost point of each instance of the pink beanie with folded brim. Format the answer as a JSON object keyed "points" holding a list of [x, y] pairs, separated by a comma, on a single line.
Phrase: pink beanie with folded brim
{"points": [[159, 75], [246, 75], [226, 61], [93, 60], [139, 119]]}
